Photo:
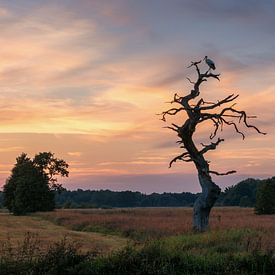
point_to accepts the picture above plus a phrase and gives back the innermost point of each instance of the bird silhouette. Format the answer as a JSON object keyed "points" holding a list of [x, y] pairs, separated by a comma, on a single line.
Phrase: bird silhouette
{"points": [[210, 63]]}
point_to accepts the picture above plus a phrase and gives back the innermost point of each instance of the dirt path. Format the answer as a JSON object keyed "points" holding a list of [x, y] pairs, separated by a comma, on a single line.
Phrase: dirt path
{"points": [[16, 228]]}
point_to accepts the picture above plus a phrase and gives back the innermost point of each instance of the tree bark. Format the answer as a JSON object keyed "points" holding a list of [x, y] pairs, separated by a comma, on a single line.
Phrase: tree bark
{"points": [[205, 202]]}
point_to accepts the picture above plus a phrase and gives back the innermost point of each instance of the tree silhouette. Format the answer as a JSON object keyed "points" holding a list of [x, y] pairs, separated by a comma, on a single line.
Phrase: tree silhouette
{"points": [[265, 200], [198, 113], [32, 183]]}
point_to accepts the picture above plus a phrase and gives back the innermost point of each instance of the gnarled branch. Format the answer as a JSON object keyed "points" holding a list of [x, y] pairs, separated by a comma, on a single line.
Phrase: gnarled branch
{"points": [[211, 146], [198, 113], [229, 98], [222, 174], [172, 112], [228, 112], [183, 157]]}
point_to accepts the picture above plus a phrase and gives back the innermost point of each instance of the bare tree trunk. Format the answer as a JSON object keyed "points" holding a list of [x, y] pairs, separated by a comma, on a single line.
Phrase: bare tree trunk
{"points": [[205, 202]]}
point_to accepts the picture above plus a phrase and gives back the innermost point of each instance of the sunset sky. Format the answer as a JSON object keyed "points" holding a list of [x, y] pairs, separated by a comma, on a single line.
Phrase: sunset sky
{"points": [[85, 80]]}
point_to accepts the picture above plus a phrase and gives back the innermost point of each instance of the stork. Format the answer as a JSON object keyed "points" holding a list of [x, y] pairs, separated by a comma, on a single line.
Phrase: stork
{"points": [[210, 63]]}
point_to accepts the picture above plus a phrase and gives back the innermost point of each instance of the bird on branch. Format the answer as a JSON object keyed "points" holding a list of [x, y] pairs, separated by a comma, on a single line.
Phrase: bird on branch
{"points": [[210, 63]]}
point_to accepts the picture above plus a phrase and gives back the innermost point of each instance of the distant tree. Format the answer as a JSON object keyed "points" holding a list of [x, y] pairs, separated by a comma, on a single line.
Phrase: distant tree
{"points": [[242, 194], [265, 199], [197, 112], [245, 201], [30, 187], [91, 199], [1, 199]]}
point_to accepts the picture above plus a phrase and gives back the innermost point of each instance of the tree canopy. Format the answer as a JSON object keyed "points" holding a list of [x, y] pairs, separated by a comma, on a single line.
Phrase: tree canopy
{"points": [[242, 194], [31, 185], [265, 198]]}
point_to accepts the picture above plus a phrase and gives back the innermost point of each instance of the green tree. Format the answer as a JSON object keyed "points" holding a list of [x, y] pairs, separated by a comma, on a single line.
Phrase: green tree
{"points": [[32, 184], [51, 167], [265, 199]]}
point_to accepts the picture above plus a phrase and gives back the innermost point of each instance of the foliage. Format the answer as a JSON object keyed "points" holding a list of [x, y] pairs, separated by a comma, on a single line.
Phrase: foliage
{"points": [[107, 199], [217, 253], [30, 187], [221, 252], [51, 167], [63, 257], [242, 194], [265, 203], [1, 199]]}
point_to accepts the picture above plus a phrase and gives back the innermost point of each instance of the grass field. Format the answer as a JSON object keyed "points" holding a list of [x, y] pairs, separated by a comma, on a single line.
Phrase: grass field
{"points": [[139, 241], [15, 229], [146, 223]]}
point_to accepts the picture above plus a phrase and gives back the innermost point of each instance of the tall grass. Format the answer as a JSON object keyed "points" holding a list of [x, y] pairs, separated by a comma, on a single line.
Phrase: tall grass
{"points": [[28, 257], [220, 252], [153, 223], [239, 243]]}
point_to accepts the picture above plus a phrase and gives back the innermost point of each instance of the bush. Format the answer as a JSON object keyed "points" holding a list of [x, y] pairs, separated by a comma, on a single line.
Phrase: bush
{"points": [[224, 252], [28, 257], [265, 203]]}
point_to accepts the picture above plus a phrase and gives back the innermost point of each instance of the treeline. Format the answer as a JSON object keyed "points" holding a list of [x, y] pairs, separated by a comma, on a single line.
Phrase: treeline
{"points": [[1, 199], [108, 199], [242, 194]]}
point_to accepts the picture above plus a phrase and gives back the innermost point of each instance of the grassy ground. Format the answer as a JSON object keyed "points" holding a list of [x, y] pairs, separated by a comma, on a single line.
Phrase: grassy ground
{"points": [[235, 251], [146, 223], [15, 229], [239, 242]]}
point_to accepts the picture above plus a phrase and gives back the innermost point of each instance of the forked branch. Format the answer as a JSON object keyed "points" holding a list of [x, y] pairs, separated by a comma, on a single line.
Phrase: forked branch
{"points": [[183, 157], [211, 146], [172, 112], [222, 118], [228, 99]]}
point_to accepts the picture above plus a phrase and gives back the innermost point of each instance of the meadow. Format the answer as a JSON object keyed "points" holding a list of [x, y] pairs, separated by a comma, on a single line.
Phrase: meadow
{"points": [[15, 229], [143, 224], [137, 241]]}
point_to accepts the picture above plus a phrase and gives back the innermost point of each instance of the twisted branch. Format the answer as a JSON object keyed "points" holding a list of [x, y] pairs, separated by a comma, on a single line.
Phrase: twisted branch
{"points": [[197, 113], [220, 119], [223, 174], [172, 112], [211, 146], [229, 98], [183, 157]]}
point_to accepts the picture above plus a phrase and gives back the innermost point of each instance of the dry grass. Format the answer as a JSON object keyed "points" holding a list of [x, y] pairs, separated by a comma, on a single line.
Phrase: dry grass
{"points": [[102, 230], [15, 228], [144, 223], [239, 242]]}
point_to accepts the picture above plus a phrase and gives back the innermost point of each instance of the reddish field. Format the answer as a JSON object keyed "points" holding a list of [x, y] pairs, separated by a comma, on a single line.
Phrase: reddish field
{"points": [[146, 223]]}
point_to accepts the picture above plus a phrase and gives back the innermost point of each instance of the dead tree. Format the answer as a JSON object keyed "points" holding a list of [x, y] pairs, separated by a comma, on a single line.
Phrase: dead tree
{"points": [[199, 112]]}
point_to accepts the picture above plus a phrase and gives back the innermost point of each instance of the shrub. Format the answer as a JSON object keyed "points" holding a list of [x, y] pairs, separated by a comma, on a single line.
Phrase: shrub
{"points": [[265, 203]]}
